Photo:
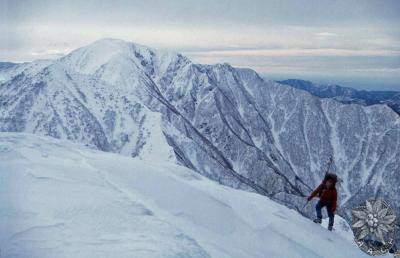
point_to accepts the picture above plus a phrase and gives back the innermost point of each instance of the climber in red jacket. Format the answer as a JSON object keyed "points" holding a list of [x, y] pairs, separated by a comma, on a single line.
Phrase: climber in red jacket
{"points": [[327, 197]]}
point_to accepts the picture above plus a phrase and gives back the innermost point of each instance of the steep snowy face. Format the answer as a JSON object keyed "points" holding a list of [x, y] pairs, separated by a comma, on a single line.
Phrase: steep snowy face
{"points": [[226, 123], [63, 103], [217, 126], [59, 199], [281, 138]]}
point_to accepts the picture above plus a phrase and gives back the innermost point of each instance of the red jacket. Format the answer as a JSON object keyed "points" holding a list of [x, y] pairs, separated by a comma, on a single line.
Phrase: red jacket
{"points": [[327, 196]]}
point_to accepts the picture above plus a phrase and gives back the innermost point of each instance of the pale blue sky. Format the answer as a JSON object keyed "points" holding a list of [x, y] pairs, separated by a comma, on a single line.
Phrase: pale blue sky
{"points": [[354, 43]]}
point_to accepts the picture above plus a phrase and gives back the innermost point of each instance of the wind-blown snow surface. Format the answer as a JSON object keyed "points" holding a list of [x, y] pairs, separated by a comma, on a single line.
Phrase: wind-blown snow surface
{"points": [[59, 199], [226, 123]]}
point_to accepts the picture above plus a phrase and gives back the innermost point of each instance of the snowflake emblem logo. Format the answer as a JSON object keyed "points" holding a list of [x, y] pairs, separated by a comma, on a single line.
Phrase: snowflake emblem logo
{"points": [[373, 226]]}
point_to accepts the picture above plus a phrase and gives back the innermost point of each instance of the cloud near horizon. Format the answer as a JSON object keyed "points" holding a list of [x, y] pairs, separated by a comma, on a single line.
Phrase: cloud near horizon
{"points": [[342, 38]]}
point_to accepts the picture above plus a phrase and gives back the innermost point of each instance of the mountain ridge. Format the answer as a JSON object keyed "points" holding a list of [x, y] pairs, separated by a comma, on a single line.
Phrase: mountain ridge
{"points": [[226, 123], [347, 95]]}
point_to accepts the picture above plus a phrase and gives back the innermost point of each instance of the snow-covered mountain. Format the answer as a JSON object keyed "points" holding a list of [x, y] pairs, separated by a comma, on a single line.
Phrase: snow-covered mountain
{"points": [[6, 65], [3, 67], [348, 95], [60, 199], [9, 70], [226, 123]]}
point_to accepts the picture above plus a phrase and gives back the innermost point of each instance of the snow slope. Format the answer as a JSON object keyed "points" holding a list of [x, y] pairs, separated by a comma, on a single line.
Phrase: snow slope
{"points": [[59, 199]]}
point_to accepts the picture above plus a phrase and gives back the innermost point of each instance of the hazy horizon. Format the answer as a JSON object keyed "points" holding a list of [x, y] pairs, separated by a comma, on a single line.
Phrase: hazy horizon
{"points": [[350, 43]]}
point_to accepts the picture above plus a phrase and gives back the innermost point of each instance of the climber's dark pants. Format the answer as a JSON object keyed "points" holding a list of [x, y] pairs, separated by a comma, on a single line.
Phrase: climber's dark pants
{"points": [[331, 215]]}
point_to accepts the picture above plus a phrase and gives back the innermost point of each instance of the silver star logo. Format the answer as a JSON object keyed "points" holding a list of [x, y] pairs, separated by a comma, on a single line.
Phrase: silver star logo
{"points": [[373, 226]]}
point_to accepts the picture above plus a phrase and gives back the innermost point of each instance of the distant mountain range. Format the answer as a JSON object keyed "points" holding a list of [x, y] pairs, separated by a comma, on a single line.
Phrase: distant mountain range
{"points": [[6, 65], [348, 95]]}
